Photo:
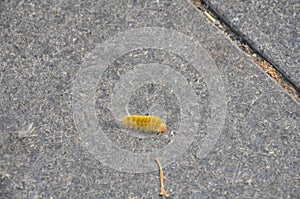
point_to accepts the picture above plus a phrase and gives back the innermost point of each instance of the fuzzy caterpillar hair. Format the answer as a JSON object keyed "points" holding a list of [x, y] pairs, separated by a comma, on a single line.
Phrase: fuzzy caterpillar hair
{"points": [[148, 123]]}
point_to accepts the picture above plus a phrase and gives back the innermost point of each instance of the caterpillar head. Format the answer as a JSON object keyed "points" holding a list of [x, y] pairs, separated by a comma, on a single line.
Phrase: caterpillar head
{"points": [[163, 128]]}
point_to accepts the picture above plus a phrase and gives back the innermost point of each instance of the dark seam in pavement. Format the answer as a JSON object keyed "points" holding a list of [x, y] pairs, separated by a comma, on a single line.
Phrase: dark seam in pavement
{"points": [[248, 48]]}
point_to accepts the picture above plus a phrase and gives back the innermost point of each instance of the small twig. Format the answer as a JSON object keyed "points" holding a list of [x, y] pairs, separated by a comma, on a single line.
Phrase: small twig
{"points": [[161, 176], [211, 18]]}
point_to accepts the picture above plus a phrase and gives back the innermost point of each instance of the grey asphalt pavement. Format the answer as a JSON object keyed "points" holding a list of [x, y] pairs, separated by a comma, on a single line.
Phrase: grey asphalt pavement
{"points": [[67, 69]]}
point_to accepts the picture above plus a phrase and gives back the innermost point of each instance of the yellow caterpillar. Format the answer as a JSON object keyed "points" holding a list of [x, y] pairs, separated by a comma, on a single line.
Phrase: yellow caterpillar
{"points": [[146, 123]]}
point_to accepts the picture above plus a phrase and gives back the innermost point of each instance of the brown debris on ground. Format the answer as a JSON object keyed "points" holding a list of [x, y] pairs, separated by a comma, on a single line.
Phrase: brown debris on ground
{"points": [[271, 71], [161, 177]]}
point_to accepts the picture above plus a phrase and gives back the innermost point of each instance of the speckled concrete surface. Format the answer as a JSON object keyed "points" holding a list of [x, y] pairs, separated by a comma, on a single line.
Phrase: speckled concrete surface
{"points": [[272, 27], [43, 46]]}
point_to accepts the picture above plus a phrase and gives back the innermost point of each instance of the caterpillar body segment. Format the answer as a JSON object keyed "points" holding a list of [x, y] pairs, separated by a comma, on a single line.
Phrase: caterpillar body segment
{"points": [[148, 123]]}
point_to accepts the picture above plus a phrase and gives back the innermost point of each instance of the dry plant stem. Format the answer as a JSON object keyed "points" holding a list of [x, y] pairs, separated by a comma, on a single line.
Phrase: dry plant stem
{"points": [[211, 18], [161, 176]]}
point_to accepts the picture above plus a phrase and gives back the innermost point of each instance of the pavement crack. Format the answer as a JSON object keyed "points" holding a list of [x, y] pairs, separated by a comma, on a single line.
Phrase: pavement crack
{"points": [[224, 25]]}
